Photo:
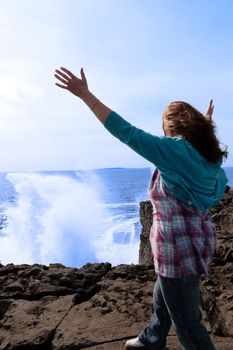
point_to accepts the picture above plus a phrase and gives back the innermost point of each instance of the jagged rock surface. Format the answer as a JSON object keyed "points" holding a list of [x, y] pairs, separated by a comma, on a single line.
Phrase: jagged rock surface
{"points": [[99, 306], [102, 307]]}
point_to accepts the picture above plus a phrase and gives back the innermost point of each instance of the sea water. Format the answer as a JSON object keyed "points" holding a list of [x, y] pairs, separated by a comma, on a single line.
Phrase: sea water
{"points": [[73, 217]]}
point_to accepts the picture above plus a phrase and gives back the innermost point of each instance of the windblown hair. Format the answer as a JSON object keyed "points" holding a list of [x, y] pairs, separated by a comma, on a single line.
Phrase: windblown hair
{"points": [[180, 118]]}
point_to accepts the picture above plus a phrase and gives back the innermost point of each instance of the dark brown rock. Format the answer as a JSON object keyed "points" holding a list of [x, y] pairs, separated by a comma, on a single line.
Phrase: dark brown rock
{"points": [[117, 309], [116, 312], [98, 306], [30, 324], [34, 282], [145, 255]]}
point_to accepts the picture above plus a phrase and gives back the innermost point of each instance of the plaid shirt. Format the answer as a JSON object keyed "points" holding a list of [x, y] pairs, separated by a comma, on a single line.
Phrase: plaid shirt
{"points": [[182, 238]]}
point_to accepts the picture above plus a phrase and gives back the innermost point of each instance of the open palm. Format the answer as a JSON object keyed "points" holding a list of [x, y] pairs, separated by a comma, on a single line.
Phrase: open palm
{"points": [[70, 82]]}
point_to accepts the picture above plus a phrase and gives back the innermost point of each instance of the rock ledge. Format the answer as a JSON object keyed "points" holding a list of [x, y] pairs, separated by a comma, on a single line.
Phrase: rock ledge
{"points": [[99, 306]]}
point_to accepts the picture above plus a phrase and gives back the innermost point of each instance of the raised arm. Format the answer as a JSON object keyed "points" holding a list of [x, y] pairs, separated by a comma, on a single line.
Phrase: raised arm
{"points": [[155, 149], [79, 87]]}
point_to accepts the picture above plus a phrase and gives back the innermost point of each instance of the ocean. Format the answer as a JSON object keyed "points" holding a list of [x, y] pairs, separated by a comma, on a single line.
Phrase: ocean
{"points": [[73, 217]]}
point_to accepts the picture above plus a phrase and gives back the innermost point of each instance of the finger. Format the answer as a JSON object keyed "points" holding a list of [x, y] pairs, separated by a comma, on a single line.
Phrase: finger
{"points": [[62, 74], [210, 110], [61, 86], [212, 105], [83, 75], [61, 79], [68, 72]]}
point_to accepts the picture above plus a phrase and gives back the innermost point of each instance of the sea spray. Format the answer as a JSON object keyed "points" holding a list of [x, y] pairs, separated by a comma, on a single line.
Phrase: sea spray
{"points": [[59, 218]]}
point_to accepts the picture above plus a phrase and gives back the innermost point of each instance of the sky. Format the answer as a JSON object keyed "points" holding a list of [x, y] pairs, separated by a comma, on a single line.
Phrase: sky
{"points": [[138, 56]]}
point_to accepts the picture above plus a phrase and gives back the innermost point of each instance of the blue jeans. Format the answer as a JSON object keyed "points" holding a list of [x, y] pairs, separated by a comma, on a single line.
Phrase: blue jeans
{"points": [[176, 301]]}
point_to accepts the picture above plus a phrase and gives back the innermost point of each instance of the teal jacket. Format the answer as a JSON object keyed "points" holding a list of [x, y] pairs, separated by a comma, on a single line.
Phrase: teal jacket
{"points": [[186, 173]]}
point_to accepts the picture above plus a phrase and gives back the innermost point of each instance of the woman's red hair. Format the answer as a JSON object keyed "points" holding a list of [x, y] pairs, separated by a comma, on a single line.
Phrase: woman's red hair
{"points": [[180, 118]]}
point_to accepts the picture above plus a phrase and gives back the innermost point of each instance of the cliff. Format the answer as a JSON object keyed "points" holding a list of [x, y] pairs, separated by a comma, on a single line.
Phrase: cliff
{"points": [[99, 306]]}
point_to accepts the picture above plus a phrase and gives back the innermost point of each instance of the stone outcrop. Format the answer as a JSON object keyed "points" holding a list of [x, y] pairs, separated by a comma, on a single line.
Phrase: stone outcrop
{"points": [[99, 306], [95, 307]]}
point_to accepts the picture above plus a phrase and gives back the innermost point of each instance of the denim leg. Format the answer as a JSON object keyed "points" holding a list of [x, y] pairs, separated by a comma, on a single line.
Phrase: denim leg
{"points": [[181, 296], [154, 335]]}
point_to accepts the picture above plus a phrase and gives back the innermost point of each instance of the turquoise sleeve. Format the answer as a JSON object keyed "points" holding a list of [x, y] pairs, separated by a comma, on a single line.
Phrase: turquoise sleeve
{"points": [[160, 151]]}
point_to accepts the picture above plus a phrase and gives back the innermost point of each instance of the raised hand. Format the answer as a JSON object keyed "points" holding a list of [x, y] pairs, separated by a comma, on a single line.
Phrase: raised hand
{"points": [[70, 82], [79, 87], [210, 111]]}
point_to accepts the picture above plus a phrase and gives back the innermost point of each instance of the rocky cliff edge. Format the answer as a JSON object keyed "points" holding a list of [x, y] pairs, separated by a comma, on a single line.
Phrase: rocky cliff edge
{"points": [[99, 306]]}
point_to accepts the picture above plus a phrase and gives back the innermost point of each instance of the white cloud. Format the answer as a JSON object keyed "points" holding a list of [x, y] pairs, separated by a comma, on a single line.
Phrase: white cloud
{"points": [[17, 90]]}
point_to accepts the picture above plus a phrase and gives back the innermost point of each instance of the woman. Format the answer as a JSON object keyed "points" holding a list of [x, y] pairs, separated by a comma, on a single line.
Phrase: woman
{"points": [[188, 180]]}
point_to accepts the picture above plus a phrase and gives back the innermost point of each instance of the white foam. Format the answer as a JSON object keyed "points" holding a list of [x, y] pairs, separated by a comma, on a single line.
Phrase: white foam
{"points": [[119, 205], [59, 219]]}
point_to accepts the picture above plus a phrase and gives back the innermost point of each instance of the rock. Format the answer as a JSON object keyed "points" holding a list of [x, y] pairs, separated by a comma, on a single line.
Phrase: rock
{"points": [[14, 287], [34, 282], [4, 305], [226, 220], [99, 306], [217, 299], [116, 312], [145, 255], [29, 324], [104, 314]]}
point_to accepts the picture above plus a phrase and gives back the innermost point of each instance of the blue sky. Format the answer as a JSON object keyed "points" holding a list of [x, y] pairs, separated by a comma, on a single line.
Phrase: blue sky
{"points": [[137, 55]]}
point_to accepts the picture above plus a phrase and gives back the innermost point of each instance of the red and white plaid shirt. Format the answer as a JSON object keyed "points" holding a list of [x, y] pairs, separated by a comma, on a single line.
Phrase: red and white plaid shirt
{"points": [[182, 238]]}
